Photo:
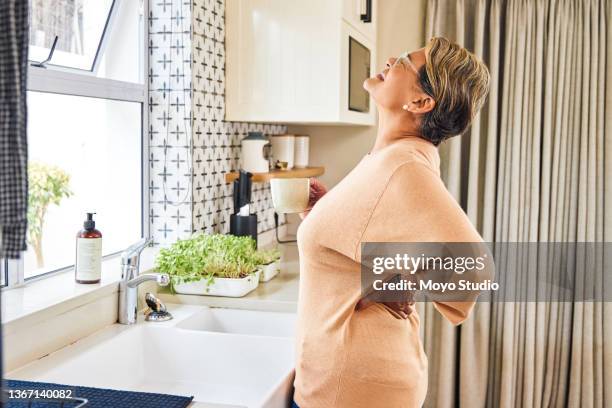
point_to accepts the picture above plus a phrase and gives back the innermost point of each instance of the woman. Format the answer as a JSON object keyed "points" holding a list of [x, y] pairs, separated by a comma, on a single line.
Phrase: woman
{"points": [[352, 352]]}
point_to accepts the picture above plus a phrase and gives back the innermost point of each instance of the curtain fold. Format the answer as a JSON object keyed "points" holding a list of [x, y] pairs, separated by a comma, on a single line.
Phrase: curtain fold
{"points": [[606, 32], [532, 168], [606, 111]]}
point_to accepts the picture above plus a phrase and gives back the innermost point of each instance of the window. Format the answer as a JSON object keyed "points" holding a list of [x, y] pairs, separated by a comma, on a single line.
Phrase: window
{"points": [[101, 37], [78, 25], [86, 118], [89, 150]]}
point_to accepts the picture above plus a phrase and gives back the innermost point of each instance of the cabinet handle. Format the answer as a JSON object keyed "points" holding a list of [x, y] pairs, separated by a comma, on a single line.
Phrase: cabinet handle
{"points": [[367, 17]]}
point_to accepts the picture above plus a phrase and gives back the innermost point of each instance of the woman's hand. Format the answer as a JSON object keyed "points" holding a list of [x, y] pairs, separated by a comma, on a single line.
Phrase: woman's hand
{"points": [[400, 310], [317, 190], [400, 306]]}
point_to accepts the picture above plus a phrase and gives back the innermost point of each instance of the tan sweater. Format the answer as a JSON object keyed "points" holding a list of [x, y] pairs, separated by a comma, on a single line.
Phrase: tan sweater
{"points": [[368, 358]]}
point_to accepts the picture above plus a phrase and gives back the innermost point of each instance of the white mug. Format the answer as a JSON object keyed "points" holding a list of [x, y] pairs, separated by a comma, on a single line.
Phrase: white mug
{"points": [[290, 195], [283, 149]]}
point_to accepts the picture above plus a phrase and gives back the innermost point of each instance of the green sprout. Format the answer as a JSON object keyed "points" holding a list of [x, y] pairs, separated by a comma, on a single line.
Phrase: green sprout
{"points": [[207, 256]]}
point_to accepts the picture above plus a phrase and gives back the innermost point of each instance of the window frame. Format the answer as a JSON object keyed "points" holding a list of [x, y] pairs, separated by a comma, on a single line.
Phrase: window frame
{"points": [[63, 80]]}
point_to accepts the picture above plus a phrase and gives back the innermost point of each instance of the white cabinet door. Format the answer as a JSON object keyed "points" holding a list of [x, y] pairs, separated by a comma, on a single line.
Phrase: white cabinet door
{"points": [[361, 14], [278, 56]]}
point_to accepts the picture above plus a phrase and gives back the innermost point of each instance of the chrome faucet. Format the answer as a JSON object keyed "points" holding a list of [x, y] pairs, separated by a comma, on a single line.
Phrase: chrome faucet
{"points": [[131, 278]]}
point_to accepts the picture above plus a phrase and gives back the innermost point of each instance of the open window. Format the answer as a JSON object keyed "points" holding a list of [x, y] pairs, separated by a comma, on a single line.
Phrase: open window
{"points": [[79, 26]]}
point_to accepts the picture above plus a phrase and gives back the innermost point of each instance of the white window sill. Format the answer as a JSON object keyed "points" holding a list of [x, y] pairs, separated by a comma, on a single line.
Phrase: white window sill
{"points": [[57, 294]]}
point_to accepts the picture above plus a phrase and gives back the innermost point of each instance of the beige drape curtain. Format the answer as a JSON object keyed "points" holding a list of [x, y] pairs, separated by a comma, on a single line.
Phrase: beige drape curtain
{"points": [[536, 166]]}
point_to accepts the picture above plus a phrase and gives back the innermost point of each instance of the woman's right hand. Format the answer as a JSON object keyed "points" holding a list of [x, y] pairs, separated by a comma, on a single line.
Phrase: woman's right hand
{"points": [[400, 309], [317, 190], [399, 305]]}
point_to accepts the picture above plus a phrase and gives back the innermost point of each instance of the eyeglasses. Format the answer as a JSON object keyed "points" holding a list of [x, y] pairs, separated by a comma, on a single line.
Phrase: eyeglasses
{"points": [[404, 59]]}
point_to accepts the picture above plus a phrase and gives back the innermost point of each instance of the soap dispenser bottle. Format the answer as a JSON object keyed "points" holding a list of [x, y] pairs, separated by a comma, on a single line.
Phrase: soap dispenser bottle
{"points": [[88, 264]]}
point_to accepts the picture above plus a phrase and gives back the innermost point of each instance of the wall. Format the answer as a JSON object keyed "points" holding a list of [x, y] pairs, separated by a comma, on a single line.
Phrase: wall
{"points": [[191, 146], [401, 27], [169, 133]]}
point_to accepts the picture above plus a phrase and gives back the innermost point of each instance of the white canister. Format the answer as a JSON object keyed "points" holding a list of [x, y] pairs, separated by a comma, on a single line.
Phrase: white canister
{"points": [[301, 151], [283, 149], [254, 159]]}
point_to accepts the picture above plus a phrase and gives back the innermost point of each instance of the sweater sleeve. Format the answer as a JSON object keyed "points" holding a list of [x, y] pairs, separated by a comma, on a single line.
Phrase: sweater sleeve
{"points": [[416, 207]]}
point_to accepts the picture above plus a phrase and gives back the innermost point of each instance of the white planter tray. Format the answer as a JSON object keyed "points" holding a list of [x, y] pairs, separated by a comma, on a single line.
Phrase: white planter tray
{"points": [[269, 271], [228, 287]]}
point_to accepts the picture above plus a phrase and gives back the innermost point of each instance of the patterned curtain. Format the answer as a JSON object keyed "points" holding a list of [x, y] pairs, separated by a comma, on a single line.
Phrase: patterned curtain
{"points": [[13, 127]]}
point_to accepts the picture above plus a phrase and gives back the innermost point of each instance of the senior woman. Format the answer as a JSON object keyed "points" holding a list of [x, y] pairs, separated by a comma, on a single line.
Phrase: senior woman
{"points": [[351, 352]]}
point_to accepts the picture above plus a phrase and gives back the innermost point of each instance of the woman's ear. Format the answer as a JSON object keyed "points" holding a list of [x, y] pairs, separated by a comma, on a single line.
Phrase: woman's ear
{"points": [[423, 103]]}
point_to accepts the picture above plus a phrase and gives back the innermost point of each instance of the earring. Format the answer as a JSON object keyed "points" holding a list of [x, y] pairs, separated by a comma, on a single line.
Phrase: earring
{"points": [[405, 107]]}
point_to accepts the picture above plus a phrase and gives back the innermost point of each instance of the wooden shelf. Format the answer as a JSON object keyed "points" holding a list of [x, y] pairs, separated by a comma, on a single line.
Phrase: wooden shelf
{"points": [[293, 173]]}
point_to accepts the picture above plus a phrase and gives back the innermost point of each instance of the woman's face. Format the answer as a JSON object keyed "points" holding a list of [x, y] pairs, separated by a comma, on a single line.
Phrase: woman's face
{"points": [[397, 85]]}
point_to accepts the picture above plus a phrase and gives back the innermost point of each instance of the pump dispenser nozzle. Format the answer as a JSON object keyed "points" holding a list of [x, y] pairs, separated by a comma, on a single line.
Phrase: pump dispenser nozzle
{"points": [[89, 224]]}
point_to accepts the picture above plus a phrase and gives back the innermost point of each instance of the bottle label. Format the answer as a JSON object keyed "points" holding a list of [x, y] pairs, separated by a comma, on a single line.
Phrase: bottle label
{"points": [[88, 258]]}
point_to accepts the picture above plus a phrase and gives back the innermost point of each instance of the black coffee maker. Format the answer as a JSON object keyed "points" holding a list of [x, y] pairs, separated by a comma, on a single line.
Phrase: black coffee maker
{"points": [[242, 222]]}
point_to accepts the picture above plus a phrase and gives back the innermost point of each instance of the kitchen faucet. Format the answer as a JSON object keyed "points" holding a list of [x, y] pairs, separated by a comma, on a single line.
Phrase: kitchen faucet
{"points": [[131, 278]]}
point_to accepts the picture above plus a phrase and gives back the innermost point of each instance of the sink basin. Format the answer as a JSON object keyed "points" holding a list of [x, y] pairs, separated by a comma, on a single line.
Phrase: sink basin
{"points": [[241, 322], [216, 368]]}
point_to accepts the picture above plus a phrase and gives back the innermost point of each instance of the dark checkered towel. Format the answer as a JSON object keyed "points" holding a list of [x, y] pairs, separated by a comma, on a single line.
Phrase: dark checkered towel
{"points": [[13, 115]]}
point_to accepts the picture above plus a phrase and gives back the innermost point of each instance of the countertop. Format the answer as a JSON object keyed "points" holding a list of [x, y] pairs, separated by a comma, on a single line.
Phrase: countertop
{"points": [[279, 294]]}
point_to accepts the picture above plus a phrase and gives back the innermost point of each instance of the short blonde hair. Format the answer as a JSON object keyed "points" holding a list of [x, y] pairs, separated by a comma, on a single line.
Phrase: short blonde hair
{"points": [[459, 83]]}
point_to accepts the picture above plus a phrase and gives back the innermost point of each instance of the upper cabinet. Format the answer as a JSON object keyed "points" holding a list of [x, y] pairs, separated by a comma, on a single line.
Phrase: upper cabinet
{"points": [[295, 61], [360, 14]]}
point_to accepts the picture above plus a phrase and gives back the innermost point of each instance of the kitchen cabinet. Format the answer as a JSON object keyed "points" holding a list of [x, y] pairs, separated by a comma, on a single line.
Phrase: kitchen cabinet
{"points": [[361, 15], [294, 61]]}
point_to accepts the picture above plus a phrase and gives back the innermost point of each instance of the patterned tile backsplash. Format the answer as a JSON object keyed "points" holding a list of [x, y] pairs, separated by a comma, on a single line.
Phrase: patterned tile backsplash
{"points": [[191, 146]]}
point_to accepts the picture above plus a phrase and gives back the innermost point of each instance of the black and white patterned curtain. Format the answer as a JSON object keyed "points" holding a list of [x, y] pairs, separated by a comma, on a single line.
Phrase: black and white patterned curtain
{"points": [[13, 127]]}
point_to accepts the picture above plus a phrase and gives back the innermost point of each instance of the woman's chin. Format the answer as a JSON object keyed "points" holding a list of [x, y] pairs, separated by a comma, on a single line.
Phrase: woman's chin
{"points": [[370, 83]]}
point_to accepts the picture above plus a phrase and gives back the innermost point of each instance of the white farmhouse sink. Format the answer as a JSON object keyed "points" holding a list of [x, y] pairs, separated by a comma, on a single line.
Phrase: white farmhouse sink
{"points": [[242, 322], [216, 368]]}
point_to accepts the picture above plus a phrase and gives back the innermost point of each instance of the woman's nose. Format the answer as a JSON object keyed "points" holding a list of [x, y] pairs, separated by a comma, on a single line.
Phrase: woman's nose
{"points": [[390, 62]]}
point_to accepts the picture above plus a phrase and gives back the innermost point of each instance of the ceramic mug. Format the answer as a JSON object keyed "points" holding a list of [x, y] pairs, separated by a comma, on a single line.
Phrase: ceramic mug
{"points": [[290, 195]]}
